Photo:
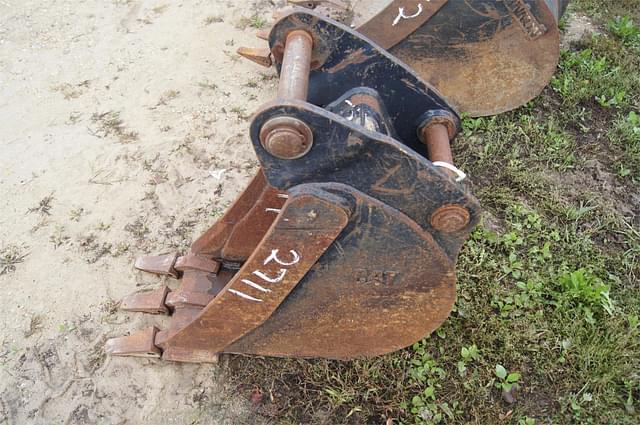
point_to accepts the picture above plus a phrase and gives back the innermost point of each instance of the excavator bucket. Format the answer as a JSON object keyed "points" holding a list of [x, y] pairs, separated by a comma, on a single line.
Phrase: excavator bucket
{"points": [[344, 245]]}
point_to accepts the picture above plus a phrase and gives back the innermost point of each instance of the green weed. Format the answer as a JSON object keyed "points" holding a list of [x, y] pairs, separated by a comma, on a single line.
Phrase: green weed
{"points": [[625, 29], [583, 76], [547, 285], [10, 257], [626, 134], [506, 381]]}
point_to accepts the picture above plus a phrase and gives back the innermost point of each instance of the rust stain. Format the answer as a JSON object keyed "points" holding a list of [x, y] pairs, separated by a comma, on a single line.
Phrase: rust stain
{"points": [[389, 176], [357, 57]]}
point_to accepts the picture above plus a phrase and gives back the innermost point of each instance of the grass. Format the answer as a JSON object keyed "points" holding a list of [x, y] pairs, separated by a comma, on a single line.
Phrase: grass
{"points": [[72, 91], [76, 214], [167, 97], [240, 113], [546, 329], [255, 21], [59, 237], [10, 257], [138, 229], [109, 124], [44, 206], [213, 19]]}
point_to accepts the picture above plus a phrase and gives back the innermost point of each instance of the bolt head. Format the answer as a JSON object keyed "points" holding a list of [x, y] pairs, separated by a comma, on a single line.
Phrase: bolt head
{"points": [[450, 218], [286, 137]]}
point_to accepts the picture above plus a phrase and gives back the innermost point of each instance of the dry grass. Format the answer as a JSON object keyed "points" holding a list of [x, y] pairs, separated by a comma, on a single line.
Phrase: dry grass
{"points": [[10, 257]]}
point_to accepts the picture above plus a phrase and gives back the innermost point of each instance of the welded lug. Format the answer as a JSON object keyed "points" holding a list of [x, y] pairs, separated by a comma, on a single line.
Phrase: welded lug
{"points": [[140, 344], [150, 302]]}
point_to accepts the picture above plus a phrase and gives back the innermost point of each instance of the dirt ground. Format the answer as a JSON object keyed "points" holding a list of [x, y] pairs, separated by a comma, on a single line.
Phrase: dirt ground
{"points": [[123, 133]]}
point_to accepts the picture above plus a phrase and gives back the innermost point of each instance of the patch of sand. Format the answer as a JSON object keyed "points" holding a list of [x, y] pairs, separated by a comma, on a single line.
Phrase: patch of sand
{"points": [[577, 27], [123, 113]]}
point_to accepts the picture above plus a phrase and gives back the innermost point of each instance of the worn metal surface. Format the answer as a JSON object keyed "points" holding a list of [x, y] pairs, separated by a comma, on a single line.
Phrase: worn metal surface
{"points": [[236, 235], [398, 20], [158, 264], [261, 56], [173, 264], [197, 262], [307, 226], [184, 299], [286, 137], [140, 344], [384, 284], [504, 56], [350, 62], [151, 302], [344, 250], [295, 66], [436, 138]]}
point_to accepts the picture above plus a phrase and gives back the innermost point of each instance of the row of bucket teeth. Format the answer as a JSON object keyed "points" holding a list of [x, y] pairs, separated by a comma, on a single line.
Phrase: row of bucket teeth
{"points": [[161, 301]]}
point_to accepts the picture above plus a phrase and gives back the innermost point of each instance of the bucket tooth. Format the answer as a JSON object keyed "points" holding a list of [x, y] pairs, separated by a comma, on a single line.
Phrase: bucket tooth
{"points": [[192, 299], [261, 56], [140, 344], [151, 302], [160, 264], [197, 262], [263, 34]]}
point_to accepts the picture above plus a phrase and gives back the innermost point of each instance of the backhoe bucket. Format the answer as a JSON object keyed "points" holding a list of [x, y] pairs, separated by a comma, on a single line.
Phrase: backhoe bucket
{"points": [[335, 274], [344, 245]]}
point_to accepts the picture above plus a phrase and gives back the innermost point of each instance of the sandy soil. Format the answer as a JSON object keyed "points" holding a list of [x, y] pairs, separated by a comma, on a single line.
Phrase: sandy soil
{"points": [[577, 27], [123, 133]]}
